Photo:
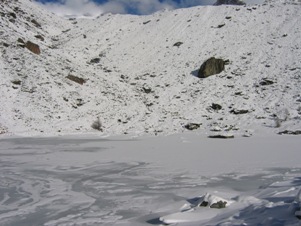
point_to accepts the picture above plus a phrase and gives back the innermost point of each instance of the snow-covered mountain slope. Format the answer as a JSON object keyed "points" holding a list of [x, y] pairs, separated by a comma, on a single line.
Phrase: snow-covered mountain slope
{"points": [[136, 81]]}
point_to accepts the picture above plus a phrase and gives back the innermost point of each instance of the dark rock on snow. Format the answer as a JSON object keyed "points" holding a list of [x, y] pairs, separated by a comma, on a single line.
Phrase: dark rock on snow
{"points": [[40, 37], [239, 112], [229, 2], [20, 40], [178, 44], [216, 107], [95, 60], [219, 205], [33, 47], [220, 136], [192, 126], [266, 82], [212, 66], [289, 132], [76, 79]]}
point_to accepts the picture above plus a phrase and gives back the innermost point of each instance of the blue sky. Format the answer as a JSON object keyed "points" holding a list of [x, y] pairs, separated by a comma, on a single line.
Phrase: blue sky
{"points": [[140, 7]]}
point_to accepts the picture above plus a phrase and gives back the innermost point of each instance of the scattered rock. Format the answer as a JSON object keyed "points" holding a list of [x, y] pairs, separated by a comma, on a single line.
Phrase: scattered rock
{"points": [[16, 82], [35, 23], [229, 2], [76, 79], [146, 89], [13, 15], [266, 82], [212, 66], [216, 107], [20, 40], [289, 132], [40, 37], [178, 44], [219, 205], [146, 22], [33, 47], [192, 126], [221, 136], [95, 60], [221, 25], [239, 112]]}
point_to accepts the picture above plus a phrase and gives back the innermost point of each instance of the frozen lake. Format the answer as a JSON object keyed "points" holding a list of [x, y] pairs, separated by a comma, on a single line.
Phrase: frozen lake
{"points": [[96, 181]]}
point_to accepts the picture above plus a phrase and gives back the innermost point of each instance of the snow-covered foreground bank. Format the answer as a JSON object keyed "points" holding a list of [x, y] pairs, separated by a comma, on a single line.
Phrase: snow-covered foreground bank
{"points": [[145, 181]]}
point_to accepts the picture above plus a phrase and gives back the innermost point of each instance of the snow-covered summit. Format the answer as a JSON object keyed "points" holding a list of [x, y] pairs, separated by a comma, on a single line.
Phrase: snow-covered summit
{"points": [[127, 72]]}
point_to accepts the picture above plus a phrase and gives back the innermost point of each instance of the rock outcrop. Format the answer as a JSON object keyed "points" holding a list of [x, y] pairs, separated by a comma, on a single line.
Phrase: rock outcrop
{"points": [[229, 2]]}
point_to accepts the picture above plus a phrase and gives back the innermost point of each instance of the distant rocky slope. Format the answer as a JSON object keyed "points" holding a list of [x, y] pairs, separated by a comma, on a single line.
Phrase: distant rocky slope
{"points": [[139, 74]]}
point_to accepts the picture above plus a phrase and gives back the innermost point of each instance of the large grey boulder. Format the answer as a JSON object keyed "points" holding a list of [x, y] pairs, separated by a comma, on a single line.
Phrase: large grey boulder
{"points": [[212, 66]]}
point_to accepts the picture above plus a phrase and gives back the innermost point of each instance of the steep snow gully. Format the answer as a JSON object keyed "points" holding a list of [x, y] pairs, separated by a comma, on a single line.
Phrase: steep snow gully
{"points": [[135, 80]]}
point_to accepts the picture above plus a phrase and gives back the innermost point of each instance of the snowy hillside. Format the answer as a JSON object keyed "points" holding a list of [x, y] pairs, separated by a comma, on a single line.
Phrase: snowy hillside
{"points": [[126, 71]]}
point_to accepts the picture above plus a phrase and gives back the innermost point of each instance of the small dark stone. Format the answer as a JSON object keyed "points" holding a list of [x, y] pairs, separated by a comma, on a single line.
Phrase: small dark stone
{"points": [[146, 90], [76, 79], [13, 15], [95, 60], [16, 82], [35, 23], [239, 112], [178, 44], [39, 37], [266, 82], [20, 40], [192, 126], [289, 132], [221, 136], [220, 25], [5, 44], [216, 107], [146, 22], [219, 205]]}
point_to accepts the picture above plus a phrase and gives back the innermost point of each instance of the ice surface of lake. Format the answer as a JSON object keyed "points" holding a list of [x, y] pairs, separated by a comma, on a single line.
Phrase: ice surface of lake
{"points": [[96, 181]]}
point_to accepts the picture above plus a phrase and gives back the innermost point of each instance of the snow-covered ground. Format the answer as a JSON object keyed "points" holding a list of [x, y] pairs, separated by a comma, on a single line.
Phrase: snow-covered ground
{"points": [[149, 181], [139, 84]]}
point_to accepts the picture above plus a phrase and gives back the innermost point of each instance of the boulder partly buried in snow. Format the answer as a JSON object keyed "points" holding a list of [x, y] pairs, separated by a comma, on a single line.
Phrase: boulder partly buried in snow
{"points": [[212, 66], [192, 126], [33, 47], [200, 208]]}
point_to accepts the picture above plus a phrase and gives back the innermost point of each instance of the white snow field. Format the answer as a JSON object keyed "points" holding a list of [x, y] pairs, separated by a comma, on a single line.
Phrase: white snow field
{"points": [[150, 181], [138, 82], [139, 165]]}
